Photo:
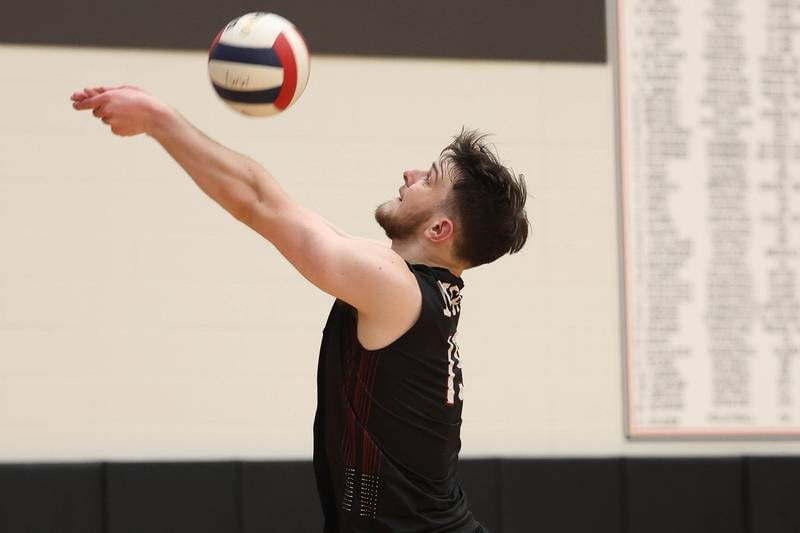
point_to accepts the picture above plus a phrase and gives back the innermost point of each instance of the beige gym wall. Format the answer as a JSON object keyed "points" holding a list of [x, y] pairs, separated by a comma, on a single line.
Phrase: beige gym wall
{"points": [[139, 320]]}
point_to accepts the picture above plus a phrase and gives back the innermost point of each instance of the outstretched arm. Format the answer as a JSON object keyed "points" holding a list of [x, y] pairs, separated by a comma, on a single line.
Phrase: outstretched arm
{"points": [[371, 277], [233, 180]]}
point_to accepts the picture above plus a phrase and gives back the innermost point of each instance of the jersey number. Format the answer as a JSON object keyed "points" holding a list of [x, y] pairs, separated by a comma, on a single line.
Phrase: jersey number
{"points": [[453, 363]]}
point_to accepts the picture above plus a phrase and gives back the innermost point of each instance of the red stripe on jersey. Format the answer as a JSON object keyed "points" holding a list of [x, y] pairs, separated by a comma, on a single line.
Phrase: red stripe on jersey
{"points": [[348, 438], [369, 381]]}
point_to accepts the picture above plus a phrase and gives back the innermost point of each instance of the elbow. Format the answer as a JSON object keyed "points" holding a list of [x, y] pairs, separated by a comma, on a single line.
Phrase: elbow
{"points": [[257, 214], [245, 211]]}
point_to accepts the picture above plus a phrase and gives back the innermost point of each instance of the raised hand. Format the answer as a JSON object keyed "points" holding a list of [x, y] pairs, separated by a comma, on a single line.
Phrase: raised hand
{"points": [[128, 110]]}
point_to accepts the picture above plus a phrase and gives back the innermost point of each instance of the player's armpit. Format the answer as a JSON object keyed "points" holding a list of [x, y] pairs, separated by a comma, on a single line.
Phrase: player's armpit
{"points": [[368, 275]]}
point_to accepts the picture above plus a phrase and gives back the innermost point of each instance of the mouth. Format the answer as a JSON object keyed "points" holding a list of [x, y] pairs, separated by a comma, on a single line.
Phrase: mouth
{"points": [[400, 192]]}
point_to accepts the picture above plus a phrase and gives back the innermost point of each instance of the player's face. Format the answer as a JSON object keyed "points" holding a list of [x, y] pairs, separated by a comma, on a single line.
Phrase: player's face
{"points": [[420, 199]]}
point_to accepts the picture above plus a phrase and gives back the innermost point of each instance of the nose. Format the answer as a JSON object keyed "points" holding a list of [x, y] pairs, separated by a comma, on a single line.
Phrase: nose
{"points": [[412, 176]]}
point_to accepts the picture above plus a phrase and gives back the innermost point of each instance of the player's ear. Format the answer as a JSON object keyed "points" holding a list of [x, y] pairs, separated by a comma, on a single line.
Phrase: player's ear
{"points": [[440, 230]]}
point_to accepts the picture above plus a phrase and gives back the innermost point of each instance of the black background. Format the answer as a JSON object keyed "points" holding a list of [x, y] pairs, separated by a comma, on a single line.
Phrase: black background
{"points": [[540, 30], [600, 495]]}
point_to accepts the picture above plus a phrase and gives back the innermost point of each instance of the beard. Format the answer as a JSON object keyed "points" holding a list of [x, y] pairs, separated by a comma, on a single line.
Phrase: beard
{"points": [[396, 226]]}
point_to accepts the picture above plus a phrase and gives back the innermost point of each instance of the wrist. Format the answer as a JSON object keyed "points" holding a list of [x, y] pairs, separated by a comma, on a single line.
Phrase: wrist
{"points": [[159, 119]]}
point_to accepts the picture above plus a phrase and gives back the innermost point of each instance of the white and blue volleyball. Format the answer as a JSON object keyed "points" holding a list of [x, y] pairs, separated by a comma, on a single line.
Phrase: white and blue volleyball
{"points": [[259, 64]]}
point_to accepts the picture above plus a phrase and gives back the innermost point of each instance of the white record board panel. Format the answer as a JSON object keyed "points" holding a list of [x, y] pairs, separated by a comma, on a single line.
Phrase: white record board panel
{"points": [[709, 151]]}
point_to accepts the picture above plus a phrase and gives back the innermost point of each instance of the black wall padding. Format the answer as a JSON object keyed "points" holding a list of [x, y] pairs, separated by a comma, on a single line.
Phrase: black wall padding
{"points": [[774, 491], [173, 497], [280, 497], [52, 498], [562, 495], [480, 480], [685, 495], [567, 495], [539, 30]]}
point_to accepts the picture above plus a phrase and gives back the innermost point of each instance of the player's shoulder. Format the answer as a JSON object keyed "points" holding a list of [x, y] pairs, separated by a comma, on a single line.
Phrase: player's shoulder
{"points": [[385, 254], [380, 276], [373, 244], [391, 306]]}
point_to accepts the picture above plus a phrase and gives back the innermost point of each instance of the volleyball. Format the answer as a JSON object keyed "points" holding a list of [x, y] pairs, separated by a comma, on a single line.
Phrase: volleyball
{"points": [[258, 64]]}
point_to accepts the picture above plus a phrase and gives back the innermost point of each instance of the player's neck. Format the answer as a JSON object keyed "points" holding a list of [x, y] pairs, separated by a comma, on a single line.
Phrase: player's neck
{"points": [[417, 254]]}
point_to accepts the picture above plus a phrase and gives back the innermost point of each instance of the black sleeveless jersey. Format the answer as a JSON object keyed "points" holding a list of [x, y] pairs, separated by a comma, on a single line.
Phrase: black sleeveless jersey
{"points": [[388, 422]]}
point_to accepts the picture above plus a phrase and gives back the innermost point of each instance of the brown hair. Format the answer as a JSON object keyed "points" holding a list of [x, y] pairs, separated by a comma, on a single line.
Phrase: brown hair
{"points": [[487, 199]]}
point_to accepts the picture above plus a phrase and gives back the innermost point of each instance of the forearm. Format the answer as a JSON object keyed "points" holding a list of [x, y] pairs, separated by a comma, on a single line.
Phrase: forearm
{"points": [[235, 181]]}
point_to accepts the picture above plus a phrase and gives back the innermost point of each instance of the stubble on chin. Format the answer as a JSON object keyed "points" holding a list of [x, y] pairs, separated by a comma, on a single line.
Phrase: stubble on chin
{"points": [[383, 217], [395, 226]]}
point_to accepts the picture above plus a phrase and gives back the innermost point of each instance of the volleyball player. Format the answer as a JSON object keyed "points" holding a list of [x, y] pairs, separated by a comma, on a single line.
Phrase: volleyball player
{"points": [[390, 387]]}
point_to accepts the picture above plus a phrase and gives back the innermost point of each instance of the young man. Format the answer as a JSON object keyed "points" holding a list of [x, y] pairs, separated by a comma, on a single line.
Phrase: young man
{"points": [[390, 391]]}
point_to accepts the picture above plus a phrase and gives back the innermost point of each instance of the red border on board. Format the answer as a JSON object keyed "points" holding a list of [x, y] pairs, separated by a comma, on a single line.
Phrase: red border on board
{"points": [[623, 166]]}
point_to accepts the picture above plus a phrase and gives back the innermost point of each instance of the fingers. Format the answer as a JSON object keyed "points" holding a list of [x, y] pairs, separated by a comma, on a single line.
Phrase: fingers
{"points": [[101, 101], [90, 102], [82, 95], [88, 92], [97, 99]]}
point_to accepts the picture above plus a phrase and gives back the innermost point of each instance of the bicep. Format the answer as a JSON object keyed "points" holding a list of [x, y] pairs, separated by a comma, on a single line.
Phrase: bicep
{"points": [[369, 276]]}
